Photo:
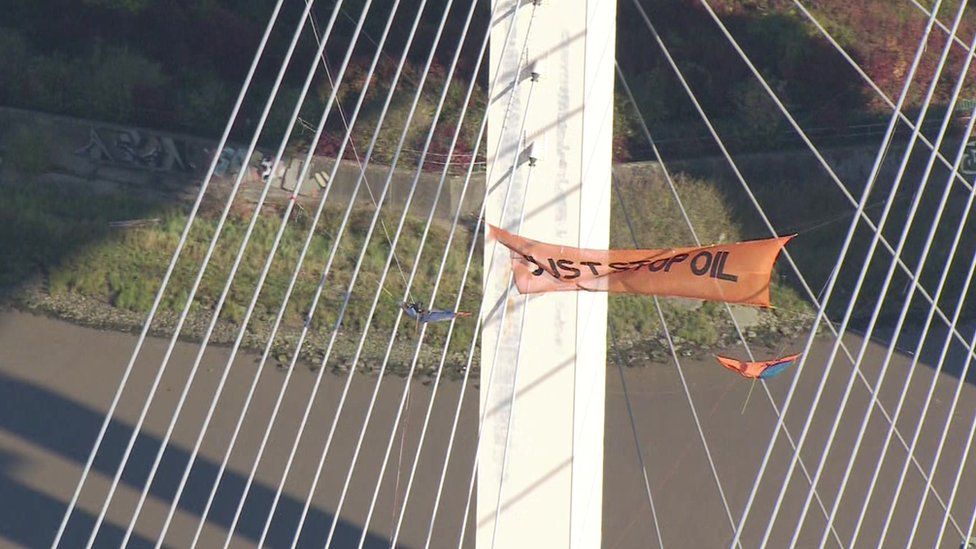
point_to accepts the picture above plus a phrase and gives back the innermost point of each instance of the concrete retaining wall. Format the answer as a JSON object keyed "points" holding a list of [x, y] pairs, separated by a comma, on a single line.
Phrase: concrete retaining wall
{"points": [[170, 165]]}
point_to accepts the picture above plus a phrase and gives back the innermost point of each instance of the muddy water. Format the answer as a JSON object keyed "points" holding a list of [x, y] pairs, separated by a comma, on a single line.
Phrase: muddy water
{"points": [[57, 379]]}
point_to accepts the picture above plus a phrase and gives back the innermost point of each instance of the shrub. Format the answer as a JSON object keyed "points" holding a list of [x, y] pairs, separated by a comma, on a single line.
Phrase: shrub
{"points": [[14, 54], [757, 117], [28, 152], [107, 83], [205, 104], [130, 6], [49, 85]]}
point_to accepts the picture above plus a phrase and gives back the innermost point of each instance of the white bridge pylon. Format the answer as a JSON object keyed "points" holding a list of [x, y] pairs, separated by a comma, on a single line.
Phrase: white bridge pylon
{"points": [[543, 358]]}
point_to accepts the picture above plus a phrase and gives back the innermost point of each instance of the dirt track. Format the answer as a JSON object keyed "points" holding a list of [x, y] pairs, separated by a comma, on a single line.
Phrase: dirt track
{"points": [[56, 381]]}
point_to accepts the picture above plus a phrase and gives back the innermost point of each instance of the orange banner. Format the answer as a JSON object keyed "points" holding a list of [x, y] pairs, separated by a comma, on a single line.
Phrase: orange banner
{"points": [[735, 273]]}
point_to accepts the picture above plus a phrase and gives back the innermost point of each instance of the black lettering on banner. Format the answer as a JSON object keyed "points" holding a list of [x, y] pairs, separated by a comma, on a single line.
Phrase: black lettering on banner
{"points": [[721, 268], [658, 264], [620, 267], [555, 271], [700, 270], [567, 265], [676, 259], [532, 260], [715, 262], [636, 265], [592, 265]]}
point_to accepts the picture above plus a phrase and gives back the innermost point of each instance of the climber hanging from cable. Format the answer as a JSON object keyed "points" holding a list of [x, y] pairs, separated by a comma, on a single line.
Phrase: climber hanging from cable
{"points": [[417, 312]]}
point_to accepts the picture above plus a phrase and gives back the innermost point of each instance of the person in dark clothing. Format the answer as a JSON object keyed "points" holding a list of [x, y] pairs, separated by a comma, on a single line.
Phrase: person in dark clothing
{"points": [[417, 312]]}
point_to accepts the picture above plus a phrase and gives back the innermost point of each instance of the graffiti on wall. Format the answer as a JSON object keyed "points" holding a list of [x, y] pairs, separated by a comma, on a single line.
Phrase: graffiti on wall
{"points": [[142, 149], [139, 149]]}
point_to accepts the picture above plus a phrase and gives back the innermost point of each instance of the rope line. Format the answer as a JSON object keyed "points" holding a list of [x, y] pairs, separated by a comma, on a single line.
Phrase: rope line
{"points": [[352, 144], [317, 295], [166, 277], [199, 278], [815, 297], [407, 287], [440, 272], [351, 285], [633, 428], [498, 340], [471, 349], [902, 316], [684, 212], [338, 322], [233, 272], [440, 367], [259, 286], [406, 390], [834, 276]]}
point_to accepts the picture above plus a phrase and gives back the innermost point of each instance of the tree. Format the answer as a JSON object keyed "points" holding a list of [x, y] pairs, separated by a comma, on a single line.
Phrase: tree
{"points": [[130, 6]]}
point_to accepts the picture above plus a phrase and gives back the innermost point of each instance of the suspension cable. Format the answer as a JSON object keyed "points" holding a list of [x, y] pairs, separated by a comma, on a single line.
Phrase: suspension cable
{"points": [[963, 461], [881, 93], [945, 350], [295, 274], [231, 276], [880, 301], [259, 286], [409, 282], [814, 297], [385, 362], [903, 316], [725, 152], [684, 212], [199, 278], [352, 282], [472, 247], [859, 209], [483, 312], [633, 429], [858, 286], [166, 277], [447, 247], [834, 275]]}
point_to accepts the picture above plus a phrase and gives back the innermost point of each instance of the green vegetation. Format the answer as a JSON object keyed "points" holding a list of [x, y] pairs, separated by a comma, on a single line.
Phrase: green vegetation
{"points": [[60, 256], [658, 223], [29, 152], [178, 65], [94, 274], [818, 86]]}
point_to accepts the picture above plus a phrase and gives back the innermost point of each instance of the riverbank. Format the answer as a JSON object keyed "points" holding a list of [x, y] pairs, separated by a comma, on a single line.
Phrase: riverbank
{"points": [[67, 257]]}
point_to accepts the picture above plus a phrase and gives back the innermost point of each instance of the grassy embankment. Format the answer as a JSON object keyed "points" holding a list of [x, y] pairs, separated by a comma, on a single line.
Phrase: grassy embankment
{"points": [[696, 327], [61, 257]]}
